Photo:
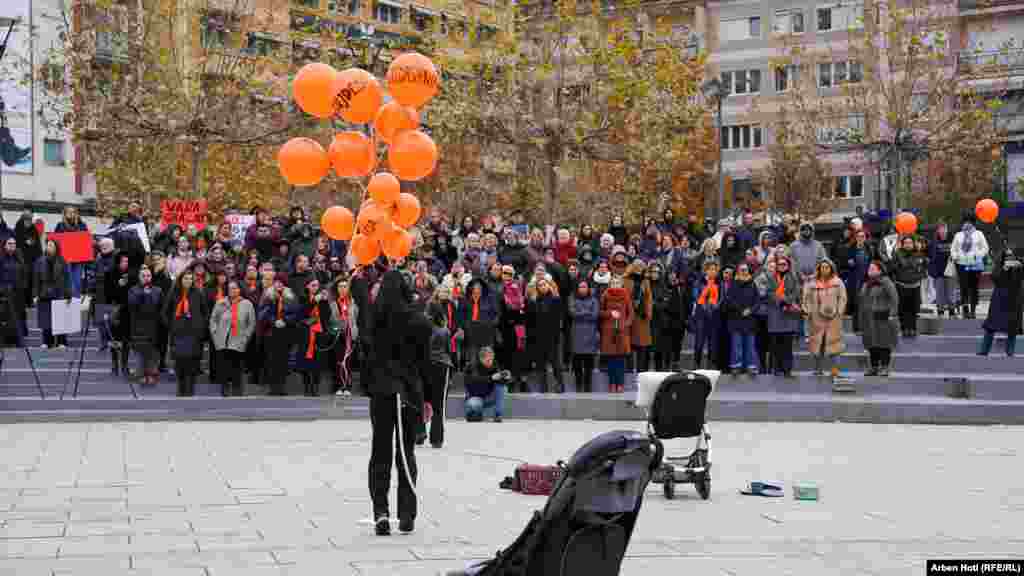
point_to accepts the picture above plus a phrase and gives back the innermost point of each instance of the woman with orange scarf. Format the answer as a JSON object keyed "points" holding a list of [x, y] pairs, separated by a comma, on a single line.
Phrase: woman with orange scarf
{"points": [[232, 323], [344, 316], [782, 305], [279, 314], [706, 318], [317, 323], [185, 314]]}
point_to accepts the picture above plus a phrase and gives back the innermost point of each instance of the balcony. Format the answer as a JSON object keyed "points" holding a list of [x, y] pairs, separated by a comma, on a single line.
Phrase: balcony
{"points": [[990, 62], [989, 6]]}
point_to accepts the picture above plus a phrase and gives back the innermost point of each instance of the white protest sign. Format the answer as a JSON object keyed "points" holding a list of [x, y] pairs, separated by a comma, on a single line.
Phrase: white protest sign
{"points": [[239, 224]]}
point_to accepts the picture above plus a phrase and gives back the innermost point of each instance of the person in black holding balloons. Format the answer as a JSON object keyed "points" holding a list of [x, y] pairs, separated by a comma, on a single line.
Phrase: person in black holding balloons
{"points": [[396, 360]]}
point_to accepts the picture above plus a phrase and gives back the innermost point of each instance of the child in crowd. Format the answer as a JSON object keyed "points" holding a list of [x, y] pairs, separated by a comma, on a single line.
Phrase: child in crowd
{"points": [[485, 387]]}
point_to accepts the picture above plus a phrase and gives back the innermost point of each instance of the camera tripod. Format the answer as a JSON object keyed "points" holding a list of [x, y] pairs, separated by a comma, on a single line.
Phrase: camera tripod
{"points": [[31, 363], [81, 356]]}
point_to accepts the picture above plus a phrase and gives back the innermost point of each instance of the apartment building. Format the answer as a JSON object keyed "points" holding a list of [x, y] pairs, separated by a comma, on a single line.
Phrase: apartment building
{"points": [[991, 57], [747, 40]]}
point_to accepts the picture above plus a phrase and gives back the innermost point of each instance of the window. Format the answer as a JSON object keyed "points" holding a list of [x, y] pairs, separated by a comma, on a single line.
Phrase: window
{"points": [[742, 29], [314, 4], [742, 137], [839, 73], [214, 33], [786, 77], [53, 152], [851, 186], [354, 7], [421, 19], [843, 17], [387, 13], [741, 81], [789, 22], [259, 45], [848, 131]]}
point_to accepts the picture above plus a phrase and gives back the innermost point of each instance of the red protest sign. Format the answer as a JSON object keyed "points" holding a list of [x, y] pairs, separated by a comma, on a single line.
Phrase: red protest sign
{"points": [[183, 213], [74, 246]]}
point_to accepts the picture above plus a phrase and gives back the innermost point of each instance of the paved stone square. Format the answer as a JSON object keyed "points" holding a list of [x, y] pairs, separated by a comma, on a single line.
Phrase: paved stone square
{"points": [[261, 498]]}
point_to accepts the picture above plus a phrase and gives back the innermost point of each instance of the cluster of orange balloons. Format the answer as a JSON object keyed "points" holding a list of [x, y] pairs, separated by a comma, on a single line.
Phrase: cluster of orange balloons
{"points": [[355, 96]]}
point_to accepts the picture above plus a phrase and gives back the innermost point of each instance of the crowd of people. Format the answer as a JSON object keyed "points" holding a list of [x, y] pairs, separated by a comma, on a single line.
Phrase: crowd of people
{"points": [[510, 304]]}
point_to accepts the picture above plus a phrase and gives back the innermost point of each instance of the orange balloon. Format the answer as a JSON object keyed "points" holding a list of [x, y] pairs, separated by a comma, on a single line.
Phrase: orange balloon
{"points": [[357, 95], [412, 155], [987, 210], [365, 249], [303, 162], [412, 79], [338, 223], [352, 155], [373, 220], [384, 188], [406, 211], [397, 244], [313, 89], [906, 223], [393, 119]]}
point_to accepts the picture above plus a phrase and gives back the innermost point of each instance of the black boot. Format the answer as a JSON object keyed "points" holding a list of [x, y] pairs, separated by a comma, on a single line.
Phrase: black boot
{"points": [[115, 361]]}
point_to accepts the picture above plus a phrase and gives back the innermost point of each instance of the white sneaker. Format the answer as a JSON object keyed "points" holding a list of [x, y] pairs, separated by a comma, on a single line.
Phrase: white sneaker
{"points": [[62, 347], [44, 347]]}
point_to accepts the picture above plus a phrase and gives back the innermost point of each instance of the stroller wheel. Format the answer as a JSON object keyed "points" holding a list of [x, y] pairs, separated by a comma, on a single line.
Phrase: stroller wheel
{"points": [[703, 484], [669, 486]]}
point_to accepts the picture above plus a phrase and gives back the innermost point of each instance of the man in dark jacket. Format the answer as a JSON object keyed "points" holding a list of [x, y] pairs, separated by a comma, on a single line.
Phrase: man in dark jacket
{"points": [[513, 253], [485, 387], [397, 360]]}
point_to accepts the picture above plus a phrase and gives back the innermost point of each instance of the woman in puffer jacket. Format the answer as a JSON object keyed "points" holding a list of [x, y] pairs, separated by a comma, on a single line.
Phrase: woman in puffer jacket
{"points": [[968, 252], [908, 270]]}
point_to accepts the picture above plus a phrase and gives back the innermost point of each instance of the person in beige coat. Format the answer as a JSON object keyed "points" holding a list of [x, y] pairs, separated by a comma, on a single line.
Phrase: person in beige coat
{"points": [[824, 302], [232, 323]]}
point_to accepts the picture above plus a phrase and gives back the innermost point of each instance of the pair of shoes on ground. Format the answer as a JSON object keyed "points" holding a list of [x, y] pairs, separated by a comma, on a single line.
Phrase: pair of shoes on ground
{"points": [[882, 371], [383, 526], [481, 418]]}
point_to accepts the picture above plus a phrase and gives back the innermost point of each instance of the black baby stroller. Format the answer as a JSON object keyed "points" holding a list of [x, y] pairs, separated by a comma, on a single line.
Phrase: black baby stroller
{"points": [[589, 517], [675, 404]]}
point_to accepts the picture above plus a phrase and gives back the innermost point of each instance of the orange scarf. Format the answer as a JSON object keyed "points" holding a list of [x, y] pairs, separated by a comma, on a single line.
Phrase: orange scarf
{"points": [[182, 309], [343, 308], [220, 294], [780, 290], [451, 324], [234, 316], [476, 311], [280, 306], [252, 286], [456, 291], [709, 295], [315, 329], [823, 284], [200, 282]]}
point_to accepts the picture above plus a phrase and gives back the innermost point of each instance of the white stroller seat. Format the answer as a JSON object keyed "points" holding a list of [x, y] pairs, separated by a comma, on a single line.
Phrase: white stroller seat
{"points": [[648, 384]]}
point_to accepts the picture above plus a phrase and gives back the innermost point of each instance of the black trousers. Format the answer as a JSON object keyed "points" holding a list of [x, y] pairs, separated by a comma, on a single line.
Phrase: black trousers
{"points": [[384, 415], [642, 358], [909, 305], [583, 372], [229, 370], [782, 350], [50, 340], [968, 286], [547, 354], [162, 342], [762, 344], [880, 357], [186, 368], [435, 395]]}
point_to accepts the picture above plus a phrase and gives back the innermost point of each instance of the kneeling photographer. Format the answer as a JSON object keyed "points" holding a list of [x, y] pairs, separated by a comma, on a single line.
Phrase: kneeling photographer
{"points": [[486, 385]]}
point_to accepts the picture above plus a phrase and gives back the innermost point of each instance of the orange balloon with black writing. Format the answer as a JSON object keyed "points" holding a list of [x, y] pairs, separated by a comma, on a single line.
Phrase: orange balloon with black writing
{"points": [[393, 119], [312, 89], [338, 223], [412, 79], [397, 244], [406, 211], [384, 189], [352, 155], [906, 223], [412, 155], [373, 220], [364, 249], [357, 95], [303, 162], [987, 210]]}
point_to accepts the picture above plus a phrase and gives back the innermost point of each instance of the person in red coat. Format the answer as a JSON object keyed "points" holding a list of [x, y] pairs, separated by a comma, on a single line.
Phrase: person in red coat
{"points": [[616, 339]]}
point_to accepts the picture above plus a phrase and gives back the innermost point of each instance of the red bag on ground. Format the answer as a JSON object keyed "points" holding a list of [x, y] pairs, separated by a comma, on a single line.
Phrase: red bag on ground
{"points": [[537, 480]]}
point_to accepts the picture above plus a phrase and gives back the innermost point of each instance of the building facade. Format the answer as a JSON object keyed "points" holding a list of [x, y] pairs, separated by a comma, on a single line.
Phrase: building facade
{"points": [[37, 157]]}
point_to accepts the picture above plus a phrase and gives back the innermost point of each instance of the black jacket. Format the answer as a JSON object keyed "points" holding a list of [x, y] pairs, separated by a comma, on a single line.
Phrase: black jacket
{"points": [[49, 279], [187, 333], [145, 312], [398, 339]]}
